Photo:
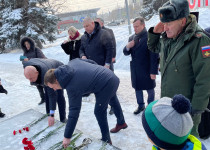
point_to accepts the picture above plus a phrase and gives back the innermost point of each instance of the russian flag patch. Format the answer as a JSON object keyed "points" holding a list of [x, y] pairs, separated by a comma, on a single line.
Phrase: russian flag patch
{"points": [[205, 51]]}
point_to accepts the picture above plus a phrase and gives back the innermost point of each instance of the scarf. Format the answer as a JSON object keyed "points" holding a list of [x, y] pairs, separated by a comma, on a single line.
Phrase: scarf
{"points": [[76, 36]]}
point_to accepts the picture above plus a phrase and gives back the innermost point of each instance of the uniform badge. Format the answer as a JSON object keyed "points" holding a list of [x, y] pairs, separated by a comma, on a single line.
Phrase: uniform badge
{"points": [[205, 51], [198, 35]]}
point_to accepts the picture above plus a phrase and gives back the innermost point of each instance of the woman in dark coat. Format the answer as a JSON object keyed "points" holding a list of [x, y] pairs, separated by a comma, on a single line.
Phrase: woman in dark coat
{"points": [[30, 51], [72, 45]]}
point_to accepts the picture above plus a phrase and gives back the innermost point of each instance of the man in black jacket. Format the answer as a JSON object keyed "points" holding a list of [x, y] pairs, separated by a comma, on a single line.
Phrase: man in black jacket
{"points": [[98, 80], [34, 71], [111, 34], [96, 44]]}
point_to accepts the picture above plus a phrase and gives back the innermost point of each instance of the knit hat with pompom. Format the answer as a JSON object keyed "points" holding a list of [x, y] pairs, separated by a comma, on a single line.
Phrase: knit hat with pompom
{"points": [[167, 122]]}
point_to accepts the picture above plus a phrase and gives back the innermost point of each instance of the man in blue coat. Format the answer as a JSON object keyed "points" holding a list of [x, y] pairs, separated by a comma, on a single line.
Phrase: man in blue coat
{"points": [[143, 66], [85, 76], [34, 71]]}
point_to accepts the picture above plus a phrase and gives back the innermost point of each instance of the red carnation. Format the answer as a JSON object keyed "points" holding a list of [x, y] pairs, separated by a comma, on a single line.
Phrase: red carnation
{"points": [[24, 129], [14, 132], [20, 131], [26, 148], [24, 141], [27, 128], [29, 142], [31, 147]]}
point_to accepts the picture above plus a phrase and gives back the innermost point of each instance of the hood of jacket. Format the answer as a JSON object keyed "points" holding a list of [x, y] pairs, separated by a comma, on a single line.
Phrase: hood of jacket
{"points": [[64, 74], [31, 41]]}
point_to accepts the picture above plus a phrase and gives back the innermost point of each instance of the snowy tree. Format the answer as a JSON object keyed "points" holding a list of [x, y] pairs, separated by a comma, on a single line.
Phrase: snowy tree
{"points": [[150, 7], [57, 6], [21, 18]]}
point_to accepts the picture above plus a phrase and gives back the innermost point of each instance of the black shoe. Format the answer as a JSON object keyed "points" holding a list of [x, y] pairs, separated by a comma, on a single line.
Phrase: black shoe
{"points": [[41, 102], [2, 115], [138, 110], [64, 121], [111, 112], [2, 90]]}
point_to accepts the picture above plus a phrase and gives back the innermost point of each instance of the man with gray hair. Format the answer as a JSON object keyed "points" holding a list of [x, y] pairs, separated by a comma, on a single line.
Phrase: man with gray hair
{"points": [[185, 56]]}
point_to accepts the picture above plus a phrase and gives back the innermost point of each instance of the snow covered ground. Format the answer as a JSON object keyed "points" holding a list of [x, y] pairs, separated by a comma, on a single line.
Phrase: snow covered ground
{"points": [[22, 96]]}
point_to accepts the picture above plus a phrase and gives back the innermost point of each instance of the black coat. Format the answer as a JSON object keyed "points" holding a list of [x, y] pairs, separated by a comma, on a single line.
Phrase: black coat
{"points": [[72, 48], [143, 63], [98, 46], [44, 65], [79, 77], [112, 39], [34, 52]]}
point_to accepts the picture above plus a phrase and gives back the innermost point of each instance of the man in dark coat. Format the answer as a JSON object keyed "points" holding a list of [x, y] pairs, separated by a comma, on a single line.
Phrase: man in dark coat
{"points": [[111, 34], [85, 76], [96, 44], [2, 90], [30, 51], [144, 64], [34, 71]]}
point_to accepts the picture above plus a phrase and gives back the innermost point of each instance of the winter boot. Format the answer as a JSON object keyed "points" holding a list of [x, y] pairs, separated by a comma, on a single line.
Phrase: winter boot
{"points": [[41, 102], [2, 90], [138, 110], [2, 115], [111, 112], [118, 128]]}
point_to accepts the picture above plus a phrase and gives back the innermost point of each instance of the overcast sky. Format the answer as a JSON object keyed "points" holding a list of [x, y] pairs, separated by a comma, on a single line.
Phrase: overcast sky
{"points": [[105, 5]]}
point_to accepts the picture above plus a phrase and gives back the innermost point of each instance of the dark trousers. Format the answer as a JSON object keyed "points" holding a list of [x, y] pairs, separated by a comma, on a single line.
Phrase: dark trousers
{"points": [[41, 91], [108, 96], [140, 97], [61, 104]]}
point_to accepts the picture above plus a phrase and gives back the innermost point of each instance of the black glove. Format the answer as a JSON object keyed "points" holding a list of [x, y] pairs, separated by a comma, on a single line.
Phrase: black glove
{"points": [[2, 90]]}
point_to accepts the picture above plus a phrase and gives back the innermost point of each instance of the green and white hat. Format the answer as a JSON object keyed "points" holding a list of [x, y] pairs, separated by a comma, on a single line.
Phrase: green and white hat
{"points": [[167, 122]]}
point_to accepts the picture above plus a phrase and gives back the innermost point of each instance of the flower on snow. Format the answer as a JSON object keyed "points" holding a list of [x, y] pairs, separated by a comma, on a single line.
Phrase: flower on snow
{"points": [[26, 148], [20, 131], [14, 132], [31, 147], [29, 142], [25, 141], [27, 128]]}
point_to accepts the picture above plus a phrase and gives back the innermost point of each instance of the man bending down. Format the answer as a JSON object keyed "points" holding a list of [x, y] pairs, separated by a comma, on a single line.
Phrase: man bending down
{"points": [[84, 76]]}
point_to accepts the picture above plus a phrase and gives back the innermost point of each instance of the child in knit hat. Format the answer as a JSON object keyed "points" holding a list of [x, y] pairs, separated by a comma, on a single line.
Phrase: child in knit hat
{"points": [[168, 124]]}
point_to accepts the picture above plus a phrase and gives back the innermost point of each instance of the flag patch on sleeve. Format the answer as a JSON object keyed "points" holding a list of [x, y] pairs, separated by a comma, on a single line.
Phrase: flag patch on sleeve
{"points": [[205, 51]]}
